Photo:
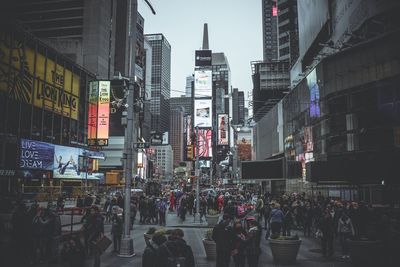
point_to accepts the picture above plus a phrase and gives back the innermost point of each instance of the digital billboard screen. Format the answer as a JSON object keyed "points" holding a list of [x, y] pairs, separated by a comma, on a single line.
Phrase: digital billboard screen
{"points": [[66, 162], [223, 126], [203, 58], [203, 83], [103, 110], [36, 155], [203, 113], [204, 140]]}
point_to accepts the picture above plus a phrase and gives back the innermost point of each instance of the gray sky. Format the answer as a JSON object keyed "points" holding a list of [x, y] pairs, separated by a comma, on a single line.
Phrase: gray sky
{"points": [[234, 27]]}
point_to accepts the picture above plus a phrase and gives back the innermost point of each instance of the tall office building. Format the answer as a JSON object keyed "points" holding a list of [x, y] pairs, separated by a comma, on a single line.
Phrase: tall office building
{"points": [[79, 29], [189, 85], [270, 28], [237, 107], [288, 31], [182, 102], [160, 82], [176, 134], [221, 77]]}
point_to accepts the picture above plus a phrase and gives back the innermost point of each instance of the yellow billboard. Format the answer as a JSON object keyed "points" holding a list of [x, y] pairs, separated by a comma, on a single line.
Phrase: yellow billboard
{"points": [[31, 77]]}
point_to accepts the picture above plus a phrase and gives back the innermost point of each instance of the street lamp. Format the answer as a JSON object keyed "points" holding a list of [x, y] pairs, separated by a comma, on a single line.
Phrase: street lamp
{"points": [[197, 171]]}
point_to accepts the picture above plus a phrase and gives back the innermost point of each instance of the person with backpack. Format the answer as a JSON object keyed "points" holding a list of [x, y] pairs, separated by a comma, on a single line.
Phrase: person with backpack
{"points": [[150, 254], [175, 252], [345, 231]]}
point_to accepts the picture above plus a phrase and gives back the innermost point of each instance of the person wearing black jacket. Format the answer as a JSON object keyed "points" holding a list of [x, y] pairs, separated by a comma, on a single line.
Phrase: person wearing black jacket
{"points": [[96, 231], [175, 247], [327, 226], [253, 240], [238, 252], [224, 237], [150, 254]]}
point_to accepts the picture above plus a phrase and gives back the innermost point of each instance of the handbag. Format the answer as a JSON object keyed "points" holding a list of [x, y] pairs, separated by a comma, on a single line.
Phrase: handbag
{"points": [[103, 243]]}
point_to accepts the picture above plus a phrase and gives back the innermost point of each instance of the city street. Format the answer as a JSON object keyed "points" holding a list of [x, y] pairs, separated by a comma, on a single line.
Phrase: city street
{"points": [[309, 254]]}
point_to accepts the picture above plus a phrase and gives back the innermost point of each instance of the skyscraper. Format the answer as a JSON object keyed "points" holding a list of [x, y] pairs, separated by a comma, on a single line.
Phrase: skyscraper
{"points": [[270, 28], [176, 134], [80, 29], [189, 85], [288, 31], [237, 107], [160, 82]]}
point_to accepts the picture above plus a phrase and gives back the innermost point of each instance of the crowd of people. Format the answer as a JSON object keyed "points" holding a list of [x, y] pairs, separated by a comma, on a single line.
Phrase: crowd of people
{"points": [[247, 217]]}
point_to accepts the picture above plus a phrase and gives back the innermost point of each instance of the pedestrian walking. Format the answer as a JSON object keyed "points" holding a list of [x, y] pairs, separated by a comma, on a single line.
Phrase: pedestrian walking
{"points": [[175, 252], [326, 226], [276, 218], [239, 244], [253, 240], [150, 254], [224, 237], [95, 231], [116, 231], [345, 230]]}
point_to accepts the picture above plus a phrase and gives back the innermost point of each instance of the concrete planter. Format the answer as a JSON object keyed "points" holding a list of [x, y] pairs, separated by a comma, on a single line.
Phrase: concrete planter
{"points": [[284, 251], [211, 249], [212, 220]]}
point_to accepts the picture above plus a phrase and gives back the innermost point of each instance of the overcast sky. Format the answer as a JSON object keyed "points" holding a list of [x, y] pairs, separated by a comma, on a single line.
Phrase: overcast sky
{"points": [[234, 27]]}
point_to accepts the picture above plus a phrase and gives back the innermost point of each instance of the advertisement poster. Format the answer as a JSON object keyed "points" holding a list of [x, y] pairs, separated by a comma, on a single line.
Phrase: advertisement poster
{"points": [[66, 162], [205, 143], [203, 83], [56, 88], [103, 110], [223, 133], [36, 155], [244, 146], [202, 113], [188, 130], [312, 84], [203, 58]]}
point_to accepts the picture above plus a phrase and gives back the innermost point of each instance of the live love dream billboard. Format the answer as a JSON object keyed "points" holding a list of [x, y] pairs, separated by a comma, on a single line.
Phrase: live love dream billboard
{"points": [[65, 162]]}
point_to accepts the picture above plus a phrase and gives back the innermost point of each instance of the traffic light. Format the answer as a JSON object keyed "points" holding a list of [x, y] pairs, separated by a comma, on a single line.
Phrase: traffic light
{"points": [[189, 153]]}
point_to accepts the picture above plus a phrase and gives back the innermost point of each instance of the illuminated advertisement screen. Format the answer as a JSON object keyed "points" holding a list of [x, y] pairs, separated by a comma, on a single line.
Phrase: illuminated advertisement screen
{"points": [[36, 155], [188, 130], [223, 125], [312, 84], [66, 162], [244, 146], [203, 83], [205, 143], [103, 110], [55, 87], [203, 113]]}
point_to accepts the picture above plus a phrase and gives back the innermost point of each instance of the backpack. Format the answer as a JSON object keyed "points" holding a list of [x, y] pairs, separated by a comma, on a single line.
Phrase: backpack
{"points": [[175, 261]]}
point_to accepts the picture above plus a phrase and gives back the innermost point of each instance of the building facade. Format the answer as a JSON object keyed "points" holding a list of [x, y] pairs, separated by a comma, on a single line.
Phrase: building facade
{"points": [[189, 86], [44, 102], [238, 107], [288, 31], [270, 84], [270, 29], [176, 134], [163, 161], [80, 29], [160, 82]]}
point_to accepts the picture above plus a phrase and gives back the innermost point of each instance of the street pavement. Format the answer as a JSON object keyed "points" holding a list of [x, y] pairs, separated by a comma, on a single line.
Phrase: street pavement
{"points": [[309, 254]]}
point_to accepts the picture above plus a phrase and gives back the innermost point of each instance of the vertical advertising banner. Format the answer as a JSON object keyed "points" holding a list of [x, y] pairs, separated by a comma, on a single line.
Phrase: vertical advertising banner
{"points": [[203, 83], [204, 143], [203, 113], [36, 155], [92, 112], [244, 146], [189, 131], [223, 126], [103, 110]]}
